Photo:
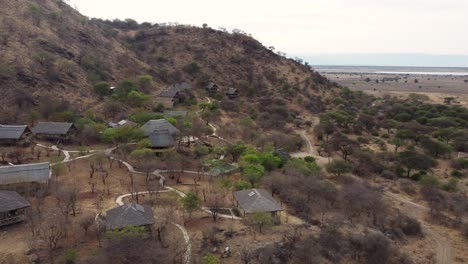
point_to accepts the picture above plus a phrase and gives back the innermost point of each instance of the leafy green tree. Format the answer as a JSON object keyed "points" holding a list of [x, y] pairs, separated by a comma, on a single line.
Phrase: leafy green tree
{"points": [[143, 117], [389, 124], [124, 88], [33, 117], [242, 185], [191, 202], [413, 160], [144, 143], [236, 150], [269, 161], [145, 82], [122, 134], [339, 167], [259, 220], [137, 99], [435, 148], [397, 142], [102, 89], [253, 173], [302, 167], [445, 134]]}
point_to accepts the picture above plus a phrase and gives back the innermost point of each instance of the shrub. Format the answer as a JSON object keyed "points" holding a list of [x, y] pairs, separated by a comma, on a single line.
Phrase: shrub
{"points": [[451, 185], [201, 151], [6, 71], [210, 259], [137, 99], [102, 89], [70, 256], [410, 226], [457, 174]]}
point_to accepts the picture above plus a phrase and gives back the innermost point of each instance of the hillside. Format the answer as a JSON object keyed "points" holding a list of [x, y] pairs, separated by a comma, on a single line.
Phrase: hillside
{"points": [[50, 50]]}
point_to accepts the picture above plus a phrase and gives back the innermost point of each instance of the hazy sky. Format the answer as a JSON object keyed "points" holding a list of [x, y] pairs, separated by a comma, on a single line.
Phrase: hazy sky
{"points": [[313, 26]]}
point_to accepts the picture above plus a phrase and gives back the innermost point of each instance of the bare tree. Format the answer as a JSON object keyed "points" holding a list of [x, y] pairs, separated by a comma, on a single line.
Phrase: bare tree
{"points": [[67, 198], [214, 203], [86, 222]]}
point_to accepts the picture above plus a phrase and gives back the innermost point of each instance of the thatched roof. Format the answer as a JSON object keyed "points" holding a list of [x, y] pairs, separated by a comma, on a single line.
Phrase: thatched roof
{"points": [[35, 172], [10, 200], [129, 215], [169, 93], [212, 86], [232, 91], [52, 128], [12, 132], [257, 200], [161, 139], [159, 124], [184, 86]]}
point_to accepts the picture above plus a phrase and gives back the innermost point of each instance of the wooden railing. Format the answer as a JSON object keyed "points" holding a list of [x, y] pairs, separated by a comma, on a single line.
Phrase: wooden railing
{"points": [[11, 220]]}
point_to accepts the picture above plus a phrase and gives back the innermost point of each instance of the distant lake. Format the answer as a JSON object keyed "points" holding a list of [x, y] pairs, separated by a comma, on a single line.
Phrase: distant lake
{"points": [[441, 71], [423, 73]]}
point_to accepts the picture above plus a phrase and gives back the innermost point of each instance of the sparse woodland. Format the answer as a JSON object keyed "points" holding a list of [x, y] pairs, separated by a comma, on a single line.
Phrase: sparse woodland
{"points": [[339, 199]]}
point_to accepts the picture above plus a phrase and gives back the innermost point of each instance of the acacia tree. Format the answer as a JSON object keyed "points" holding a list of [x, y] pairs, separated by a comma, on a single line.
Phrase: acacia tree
{"points": [[191, 202], [339, 167], [413, 160], [345, 145]]}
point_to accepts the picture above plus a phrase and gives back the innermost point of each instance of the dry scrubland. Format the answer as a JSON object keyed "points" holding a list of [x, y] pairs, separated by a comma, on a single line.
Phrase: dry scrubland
{"points": [[436, 87]]}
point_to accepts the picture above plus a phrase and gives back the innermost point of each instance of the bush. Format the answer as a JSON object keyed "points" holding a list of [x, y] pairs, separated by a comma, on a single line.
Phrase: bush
{"points": [[388, 175], [102, 89], [210, 259], [6, 71], [201, 151], [70, 256], [410, 226], [456, 174], [451, 185]]}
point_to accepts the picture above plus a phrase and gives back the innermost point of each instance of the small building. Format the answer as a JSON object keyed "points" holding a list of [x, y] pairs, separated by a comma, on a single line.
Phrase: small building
{"points": [[232, 93], [182, 87], [122, 123], [169, 97], [160, 124], [25, 173], [257, 201], [57, 131], [129, 215], [12, 207], [462, 155], [161, 139], [212, 88], [13, 134]]}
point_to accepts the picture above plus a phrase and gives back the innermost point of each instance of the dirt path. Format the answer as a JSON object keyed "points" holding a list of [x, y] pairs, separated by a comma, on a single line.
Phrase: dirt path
{"points": [[310, 150], [444, 252]]}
